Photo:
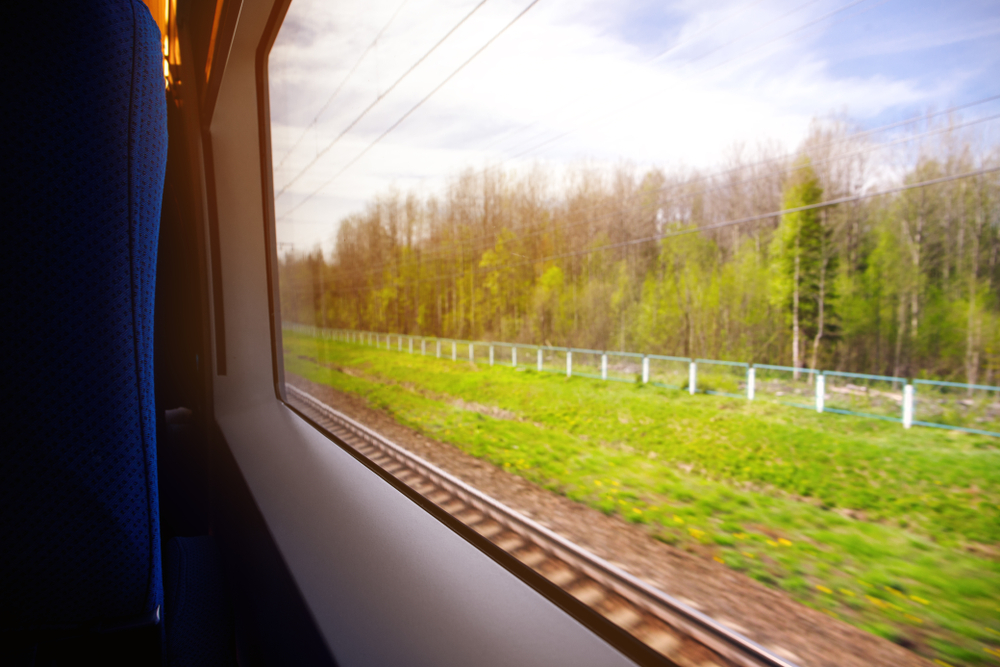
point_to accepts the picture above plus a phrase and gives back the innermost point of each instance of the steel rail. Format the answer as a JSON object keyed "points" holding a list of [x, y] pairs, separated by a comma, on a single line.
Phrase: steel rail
{"points": [[714, 636]]}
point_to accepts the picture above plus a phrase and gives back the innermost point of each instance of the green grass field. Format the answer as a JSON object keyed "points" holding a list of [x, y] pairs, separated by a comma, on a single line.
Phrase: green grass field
{"points": [[896, 532]]}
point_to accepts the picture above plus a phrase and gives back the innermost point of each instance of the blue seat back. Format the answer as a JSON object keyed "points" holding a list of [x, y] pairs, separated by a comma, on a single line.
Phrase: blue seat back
{"points": [[84, 145]]}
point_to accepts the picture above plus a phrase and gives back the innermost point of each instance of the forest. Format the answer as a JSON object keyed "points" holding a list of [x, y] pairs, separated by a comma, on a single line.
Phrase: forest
{"points": [[771, 257]]}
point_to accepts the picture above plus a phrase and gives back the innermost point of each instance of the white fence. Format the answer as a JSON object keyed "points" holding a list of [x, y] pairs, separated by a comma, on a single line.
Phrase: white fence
{"points": [[938, 404]]}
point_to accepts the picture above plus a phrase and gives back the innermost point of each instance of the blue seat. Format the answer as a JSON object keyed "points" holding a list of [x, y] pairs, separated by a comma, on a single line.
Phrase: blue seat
{"points": [[84, 156]]}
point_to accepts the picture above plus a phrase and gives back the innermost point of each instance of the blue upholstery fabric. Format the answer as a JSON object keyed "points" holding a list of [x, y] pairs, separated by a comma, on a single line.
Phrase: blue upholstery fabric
{"points": [[84, 150], [199, 620]]}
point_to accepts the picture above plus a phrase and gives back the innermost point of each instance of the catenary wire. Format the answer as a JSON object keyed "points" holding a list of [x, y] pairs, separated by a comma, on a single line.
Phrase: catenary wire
{"points": [[336, 92], [378, 99], [412, 109]]}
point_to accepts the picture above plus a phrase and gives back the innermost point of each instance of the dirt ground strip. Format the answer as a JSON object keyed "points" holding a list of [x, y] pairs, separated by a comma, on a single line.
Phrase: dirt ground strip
{"points": [[772, 619]]}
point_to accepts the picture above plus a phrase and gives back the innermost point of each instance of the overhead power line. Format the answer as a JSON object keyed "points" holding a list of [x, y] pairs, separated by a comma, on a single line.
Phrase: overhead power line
{"points": [[336, 92], [378, 99], [412, 109]]}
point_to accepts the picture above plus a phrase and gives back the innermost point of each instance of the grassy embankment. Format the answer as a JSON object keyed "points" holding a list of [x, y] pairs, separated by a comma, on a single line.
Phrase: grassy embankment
{"points": [[897, 532]]}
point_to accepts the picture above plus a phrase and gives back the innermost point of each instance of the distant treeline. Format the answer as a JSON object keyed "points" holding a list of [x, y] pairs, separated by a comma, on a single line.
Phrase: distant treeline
{"points": [[902, 284]]}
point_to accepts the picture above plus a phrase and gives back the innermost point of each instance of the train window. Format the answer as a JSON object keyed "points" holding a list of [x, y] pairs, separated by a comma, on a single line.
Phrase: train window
{"points": [[689, 310]]}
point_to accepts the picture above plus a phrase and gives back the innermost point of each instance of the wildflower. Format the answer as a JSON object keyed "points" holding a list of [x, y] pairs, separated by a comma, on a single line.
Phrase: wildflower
{"points": [[783, 542], [740, 536], [597, 482], [846, 591], [677, 519], [942, 663], [920, 600], [695, 532], [717, 559], [772, 543], [993, 652], [637, 510], [823, 589], [748, 554], [913, 618]]}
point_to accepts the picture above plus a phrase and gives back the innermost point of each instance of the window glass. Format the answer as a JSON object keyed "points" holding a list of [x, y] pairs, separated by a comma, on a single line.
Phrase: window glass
{"points": [[707, 289]]}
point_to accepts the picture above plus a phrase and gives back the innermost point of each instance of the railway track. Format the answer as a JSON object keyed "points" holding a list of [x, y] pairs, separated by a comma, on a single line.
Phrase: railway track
{"points": [[676, 633]]}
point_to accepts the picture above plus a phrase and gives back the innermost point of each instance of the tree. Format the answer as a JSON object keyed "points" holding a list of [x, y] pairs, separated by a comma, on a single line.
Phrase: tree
{"points": [[803, 263]]}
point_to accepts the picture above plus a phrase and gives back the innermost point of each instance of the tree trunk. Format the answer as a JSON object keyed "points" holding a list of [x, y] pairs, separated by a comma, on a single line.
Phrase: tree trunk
{"points": [[901, 327], [821, 304], [972, 337], [795, 313]]}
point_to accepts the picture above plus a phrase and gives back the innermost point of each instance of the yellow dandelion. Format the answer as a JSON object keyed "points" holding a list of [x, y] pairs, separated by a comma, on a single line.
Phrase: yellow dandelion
{"points": [[597, 482], [918, 599], [695, 532], [637, 510], [783, 542], [677, 519], [913, 618], [846, 591], [892, 590], [831, 613], [717, 559], [942, 663], [740, 536], [823, 589], [772, 543], [993, 651], [616, 483], [748, 554]]}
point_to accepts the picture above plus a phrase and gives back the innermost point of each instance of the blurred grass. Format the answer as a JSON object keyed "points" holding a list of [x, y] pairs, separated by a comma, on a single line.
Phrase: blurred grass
{"points": [[896, 532]]}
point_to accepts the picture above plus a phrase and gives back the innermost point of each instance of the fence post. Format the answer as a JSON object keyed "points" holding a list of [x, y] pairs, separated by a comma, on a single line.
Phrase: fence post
{"points": [[820, 391], [569, 363], [439, 349], [751, 381], [454, 351], [692, 377], [411, 344], [423, 348], [645, 370], [513, 356], [400, 343], [604, 366], [539, 360], [908, 405], [472, 354], [491, 355]]}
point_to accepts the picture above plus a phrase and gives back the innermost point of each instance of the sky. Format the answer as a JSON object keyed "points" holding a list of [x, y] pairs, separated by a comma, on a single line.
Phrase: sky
{"points": [[669, 84]]}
